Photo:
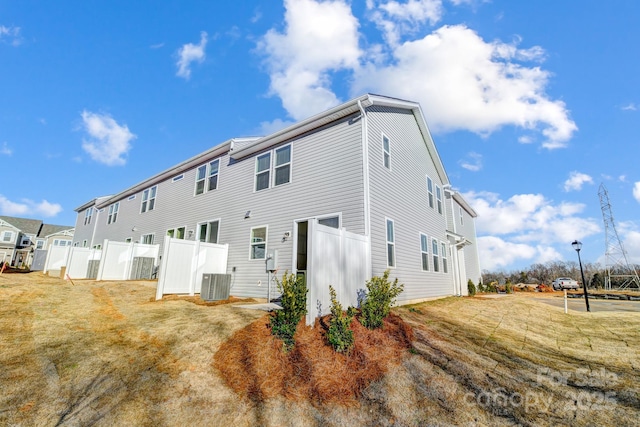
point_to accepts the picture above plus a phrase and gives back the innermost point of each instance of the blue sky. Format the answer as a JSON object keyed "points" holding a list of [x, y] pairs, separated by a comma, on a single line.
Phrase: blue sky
{"points": [[532, 105]]}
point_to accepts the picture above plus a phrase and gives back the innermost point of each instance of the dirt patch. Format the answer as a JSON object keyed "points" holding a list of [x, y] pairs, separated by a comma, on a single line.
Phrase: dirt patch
{"points": [[199, 301]]}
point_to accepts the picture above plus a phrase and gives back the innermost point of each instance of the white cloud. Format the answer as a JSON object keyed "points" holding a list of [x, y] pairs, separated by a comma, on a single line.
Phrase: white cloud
{"points": [[319, 37], [636, 191], [524, 139], [5, 149], [191, 53], [10, 35], [108, 142], [528, 225], [462, 81], [28, 207], [629, 107], [473, 162], [576, 181], [267, 128], [632, 246]]}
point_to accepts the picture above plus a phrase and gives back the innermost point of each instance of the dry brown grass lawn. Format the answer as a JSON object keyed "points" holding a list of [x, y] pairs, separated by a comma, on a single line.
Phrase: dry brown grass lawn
{"points": [[104, 353]]}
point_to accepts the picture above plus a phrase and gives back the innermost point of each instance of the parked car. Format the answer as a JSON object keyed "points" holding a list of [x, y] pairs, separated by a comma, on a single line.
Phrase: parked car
{"points": [[564, 283]]}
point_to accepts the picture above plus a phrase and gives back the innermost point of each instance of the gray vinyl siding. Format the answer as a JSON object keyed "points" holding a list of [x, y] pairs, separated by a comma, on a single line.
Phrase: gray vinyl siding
{"points": [[82, 231], [326, 178], [472, 263], [401, 194]]}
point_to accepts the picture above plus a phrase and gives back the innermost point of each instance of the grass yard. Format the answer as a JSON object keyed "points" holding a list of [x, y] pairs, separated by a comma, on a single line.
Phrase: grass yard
{"points": [[106, 353]]}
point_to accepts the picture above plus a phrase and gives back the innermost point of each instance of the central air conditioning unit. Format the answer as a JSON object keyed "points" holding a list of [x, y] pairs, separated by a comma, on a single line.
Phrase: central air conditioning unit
{"points": [[215, 287]]}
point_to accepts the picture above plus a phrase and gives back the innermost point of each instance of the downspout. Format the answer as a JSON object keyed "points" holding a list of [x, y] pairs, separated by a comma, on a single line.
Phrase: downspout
{"points": [[365, 172]]}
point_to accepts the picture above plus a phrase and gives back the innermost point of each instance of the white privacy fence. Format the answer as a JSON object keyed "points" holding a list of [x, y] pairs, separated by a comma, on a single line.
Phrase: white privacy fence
{"points": [[80, 260], [185, 261], [338, 258], [56, 258], [119, 258]]}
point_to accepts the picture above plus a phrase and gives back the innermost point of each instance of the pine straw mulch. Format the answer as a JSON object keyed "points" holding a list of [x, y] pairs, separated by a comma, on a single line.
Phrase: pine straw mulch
{"points": [[254, 364]]}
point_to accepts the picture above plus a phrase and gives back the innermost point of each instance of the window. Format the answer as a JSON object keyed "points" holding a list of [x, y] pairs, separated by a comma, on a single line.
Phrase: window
{"points": [[430, 191], [127, 240], [439, 199], [208, 231], [25, 241], [132, 197], [7, 236], [113, 213], [177, 178], [75, 244], [84, 243], [263, 169], [386, 152], [148, 199], [444, 258], [207, 177], [330, 221], [147, 239], [40, 244], [424, 251], [87, 216], [281, 168], [461, 216], [391, 246], [434, 249], [176, 233], [258, 243], [282, 171]]}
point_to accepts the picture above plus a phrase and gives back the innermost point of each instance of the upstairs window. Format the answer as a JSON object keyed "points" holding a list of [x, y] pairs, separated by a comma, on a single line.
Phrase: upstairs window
{"points": [[113, 213], [208, 231], [207, 177], [461, 216], [283, 165], [40, 244], [148, 199], [263, 171], [147, 239], [439, 199], [386, 152], [258, 243], [424, 251], [391, 245], [7, 236], [434, 250], [176, 233], [85, 243], [87, 216], [430, 192]]}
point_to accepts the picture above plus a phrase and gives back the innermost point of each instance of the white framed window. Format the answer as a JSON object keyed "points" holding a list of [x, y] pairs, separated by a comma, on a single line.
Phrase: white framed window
{"points": [[113, 213], [25, 241], [177, 233], [209, 231], [263, 171], [147, 239], [443, 254], [7, 236], [87, 216], [461, 215], [75, 244], [424, 251], [148, 199], [258, 243], [282, 167], [434, 250], [39, 244], [177, 178], [85, 243], [386, 152], [332, 221], [128, 240], [439, 199], [207, 177], [131, 197], [430, 192], [97, 246], [391, 244]]}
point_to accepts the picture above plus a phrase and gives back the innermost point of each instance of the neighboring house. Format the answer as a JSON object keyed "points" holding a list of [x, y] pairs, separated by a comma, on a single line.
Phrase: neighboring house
{"points": [[19, 237], [369, 166]]}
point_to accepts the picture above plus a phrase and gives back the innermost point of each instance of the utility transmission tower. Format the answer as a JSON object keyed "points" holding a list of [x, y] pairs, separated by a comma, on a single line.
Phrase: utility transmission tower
{"points": [[616, 261]]}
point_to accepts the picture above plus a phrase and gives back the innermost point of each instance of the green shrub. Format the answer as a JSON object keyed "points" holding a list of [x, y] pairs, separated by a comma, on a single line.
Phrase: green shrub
{"points": [[471, 287], [480, 287], [508, 288], [294, 305], [340, 336], [381, 295], [491, 287]]}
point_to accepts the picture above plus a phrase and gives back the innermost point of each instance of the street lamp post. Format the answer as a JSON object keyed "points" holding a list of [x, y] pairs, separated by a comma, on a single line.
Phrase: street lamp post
{"points": [[577, 246]]}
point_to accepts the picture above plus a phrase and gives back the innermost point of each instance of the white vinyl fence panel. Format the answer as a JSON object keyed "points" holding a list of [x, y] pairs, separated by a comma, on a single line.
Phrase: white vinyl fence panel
{"points": [[185, 261], [56, 258], [338, 258], [117, 258], [78, 261]]}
